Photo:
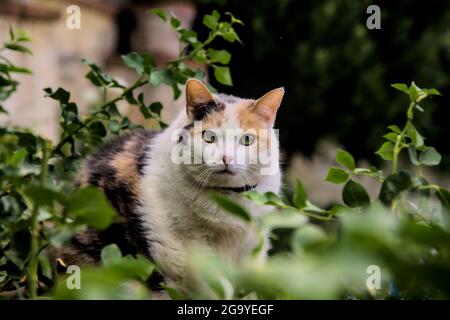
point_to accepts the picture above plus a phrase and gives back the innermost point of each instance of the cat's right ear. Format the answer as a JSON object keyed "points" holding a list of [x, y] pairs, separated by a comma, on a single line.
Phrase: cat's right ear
{"points": [[197, 96]]}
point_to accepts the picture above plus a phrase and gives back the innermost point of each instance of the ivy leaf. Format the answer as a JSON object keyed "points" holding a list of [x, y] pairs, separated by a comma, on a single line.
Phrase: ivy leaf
{"points": [[394, 185], [231, 206], [222, 75], [337, 175], [299, 198], [345, 159], [354, 195], [430, 157]]}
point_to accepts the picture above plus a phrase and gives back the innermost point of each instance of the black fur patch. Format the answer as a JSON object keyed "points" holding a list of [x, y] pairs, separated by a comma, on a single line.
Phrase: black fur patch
{"points": [[201, 111], [129, 232]]}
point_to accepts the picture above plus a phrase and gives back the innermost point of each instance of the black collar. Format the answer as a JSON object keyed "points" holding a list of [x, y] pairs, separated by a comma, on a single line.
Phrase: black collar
{"points": [[237, 189]]}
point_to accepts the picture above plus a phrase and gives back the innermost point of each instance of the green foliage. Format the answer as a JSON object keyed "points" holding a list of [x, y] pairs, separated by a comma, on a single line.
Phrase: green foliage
{"points": [[405, 230], [38, 204]]}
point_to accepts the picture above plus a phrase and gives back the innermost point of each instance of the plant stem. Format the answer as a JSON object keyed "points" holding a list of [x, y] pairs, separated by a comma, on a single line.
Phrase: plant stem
{"points": [[34, 251], [139, 83]]}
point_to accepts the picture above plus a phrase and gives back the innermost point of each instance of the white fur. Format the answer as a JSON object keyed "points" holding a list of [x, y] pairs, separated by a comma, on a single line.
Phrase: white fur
{"points": [[180, 214]]}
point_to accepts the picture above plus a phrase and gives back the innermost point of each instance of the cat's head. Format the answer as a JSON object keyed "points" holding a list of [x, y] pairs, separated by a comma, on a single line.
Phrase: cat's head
{"points": [[225, 141]]}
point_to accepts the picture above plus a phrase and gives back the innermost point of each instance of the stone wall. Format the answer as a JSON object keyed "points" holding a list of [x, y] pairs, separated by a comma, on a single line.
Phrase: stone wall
{"points": [[57, 54]]}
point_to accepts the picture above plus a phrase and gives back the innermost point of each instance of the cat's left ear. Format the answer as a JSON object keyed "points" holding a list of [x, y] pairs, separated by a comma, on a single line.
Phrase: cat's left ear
{"points": [[267, 106], [197, 96]]}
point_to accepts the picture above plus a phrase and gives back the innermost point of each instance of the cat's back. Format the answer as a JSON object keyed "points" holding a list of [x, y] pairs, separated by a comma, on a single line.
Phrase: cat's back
{"points": [[116, 169], [119, 162]]}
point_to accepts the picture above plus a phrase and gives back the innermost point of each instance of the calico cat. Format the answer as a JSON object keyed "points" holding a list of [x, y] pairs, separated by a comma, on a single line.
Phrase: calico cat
{"points": [[160, 183]]}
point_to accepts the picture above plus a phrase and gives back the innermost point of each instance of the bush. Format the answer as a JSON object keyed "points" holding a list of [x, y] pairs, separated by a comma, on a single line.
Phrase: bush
{"points": [[403, 235]]}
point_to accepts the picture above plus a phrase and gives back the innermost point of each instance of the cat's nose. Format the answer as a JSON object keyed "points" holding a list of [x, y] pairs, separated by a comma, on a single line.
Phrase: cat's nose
{"points": [[227, 159]]}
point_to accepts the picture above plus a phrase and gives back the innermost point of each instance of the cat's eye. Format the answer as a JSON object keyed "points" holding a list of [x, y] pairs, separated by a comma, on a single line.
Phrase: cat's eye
{"points": [[209, 136], [247, 139]]}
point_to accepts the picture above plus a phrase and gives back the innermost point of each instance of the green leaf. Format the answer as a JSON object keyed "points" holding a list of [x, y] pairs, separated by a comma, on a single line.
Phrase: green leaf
{"points": [[189, 36], [444, 197], [18, 47], [231, 206], [200, 56], [337, 175], [386, 151], [156, 77], [414, 91], [114, 126], [432, 92], [414, 135], [156, 108], [401, 87], [391, 136], [430, 157], [89, 205], [173, 293], [134, 61], [175, 22], [219, 56], [222, 75], [394, 185], [159, 12], [395, 129], [211, 20], [354, 195], [412, 152], [17, 158], [44, 196], [299, 198], [307, 237], [234, 19], [60, 95], [111, 255], [3, 110], [286, 218], [97, 128], [345, 159]]}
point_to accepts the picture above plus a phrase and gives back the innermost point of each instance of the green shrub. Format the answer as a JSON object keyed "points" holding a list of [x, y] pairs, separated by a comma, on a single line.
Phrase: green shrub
{"points": [[405, 232]]}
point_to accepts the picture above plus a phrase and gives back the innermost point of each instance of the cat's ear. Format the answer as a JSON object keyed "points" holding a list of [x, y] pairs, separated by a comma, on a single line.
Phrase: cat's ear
{"points": [[197, 96], [267, 106]]}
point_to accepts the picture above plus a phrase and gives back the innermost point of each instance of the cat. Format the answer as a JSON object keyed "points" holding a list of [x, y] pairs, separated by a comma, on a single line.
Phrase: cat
{"points": [[160, 183]]}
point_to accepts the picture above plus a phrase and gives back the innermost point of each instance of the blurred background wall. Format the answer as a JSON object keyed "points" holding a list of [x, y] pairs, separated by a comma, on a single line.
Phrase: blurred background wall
{"points": [[336, 72]]}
